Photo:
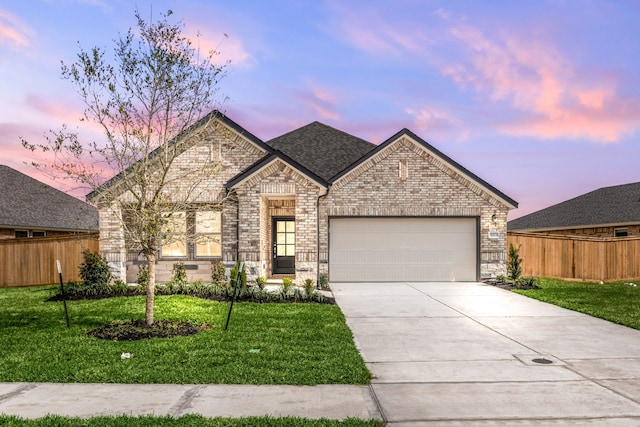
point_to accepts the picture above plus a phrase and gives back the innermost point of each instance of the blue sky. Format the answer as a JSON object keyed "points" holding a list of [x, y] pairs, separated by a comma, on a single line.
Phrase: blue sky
{"points": [[539, 98]]}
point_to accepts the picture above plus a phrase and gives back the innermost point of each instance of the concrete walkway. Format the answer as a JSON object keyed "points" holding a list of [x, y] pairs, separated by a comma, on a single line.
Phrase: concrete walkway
{"points": [[453, 354], [445, 354], [35, 400]]}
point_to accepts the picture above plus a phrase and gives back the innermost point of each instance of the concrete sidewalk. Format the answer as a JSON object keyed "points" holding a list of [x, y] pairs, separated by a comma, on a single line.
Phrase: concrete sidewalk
{"points": [[453, 354], [35, 400]]}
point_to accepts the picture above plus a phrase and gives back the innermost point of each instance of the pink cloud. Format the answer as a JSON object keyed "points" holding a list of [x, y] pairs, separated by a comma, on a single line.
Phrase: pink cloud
{"points": [[369, 30], [536, 79], [322, 102], [54, 111], [13, 32]]}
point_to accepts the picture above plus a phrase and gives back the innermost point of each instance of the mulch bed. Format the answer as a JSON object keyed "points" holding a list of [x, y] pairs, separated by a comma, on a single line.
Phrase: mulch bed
{"points": [[138, 330], [510, 286]]}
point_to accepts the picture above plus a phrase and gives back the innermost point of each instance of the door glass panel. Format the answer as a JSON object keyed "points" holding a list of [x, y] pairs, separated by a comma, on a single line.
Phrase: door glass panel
{"points": [[285, 238]]}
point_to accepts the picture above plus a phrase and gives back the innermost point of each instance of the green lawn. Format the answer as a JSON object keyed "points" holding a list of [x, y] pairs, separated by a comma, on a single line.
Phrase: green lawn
{"points": [[298, 344], [615, 302], [185, 421]]}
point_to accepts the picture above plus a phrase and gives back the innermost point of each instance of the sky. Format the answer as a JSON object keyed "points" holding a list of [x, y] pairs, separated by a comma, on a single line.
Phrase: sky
{"points": [[539, 98]]}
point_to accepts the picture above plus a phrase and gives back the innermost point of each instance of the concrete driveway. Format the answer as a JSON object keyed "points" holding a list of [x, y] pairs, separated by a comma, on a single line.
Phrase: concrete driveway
{"points": [[452, 354]]}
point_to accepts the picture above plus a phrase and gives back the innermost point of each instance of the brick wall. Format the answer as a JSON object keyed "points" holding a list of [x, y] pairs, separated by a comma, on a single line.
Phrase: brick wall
{"points": [[277, 190], [425, 187], [197, 175]]}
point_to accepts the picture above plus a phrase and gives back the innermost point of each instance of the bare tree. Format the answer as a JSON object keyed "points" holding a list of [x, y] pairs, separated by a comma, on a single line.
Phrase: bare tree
{"points": [[151, 100]]}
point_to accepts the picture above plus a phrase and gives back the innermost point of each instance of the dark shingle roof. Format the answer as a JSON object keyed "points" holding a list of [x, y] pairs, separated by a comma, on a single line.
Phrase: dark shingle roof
{"points": [[619, 204], [322, 149], [29, 203]]}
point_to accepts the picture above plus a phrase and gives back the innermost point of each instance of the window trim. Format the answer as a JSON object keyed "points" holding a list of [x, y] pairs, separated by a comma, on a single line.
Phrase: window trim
{"points": [[191, 237], [621, 232], [15, 234], [197, 235], [175, 237]]}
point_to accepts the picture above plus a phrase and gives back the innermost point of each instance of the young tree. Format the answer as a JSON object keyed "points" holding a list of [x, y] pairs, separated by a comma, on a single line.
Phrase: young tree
{"points": [[144, 98], [514, 263]]}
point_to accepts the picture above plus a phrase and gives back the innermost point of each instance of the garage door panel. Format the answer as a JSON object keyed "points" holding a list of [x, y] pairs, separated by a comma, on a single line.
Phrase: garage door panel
{"points": [[402, 249]]}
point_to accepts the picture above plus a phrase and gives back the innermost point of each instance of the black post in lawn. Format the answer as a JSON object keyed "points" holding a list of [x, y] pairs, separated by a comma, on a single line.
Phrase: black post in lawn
{"points": [[235, 281], [64, 297]]}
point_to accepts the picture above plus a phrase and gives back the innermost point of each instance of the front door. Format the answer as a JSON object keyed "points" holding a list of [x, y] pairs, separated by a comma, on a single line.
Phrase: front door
{"points": [[284, 245]]}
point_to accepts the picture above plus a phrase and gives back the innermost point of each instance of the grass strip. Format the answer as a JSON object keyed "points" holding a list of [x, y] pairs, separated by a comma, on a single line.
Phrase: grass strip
{"points": [[184, 421]]}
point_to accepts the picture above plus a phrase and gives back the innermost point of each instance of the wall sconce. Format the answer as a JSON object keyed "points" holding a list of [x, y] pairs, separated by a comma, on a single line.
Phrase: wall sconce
{"points": [[494, 217]]}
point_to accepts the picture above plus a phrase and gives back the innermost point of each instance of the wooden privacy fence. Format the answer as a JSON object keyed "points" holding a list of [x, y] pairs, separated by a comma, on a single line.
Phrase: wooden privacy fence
{"points": [[577, 257], [30, 262]]}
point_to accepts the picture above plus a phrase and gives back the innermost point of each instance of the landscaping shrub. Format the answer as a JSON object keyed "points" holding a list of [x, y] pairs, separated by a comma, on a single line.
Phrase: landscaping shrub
{"points": [[119, 288], [95, 271], [142, 278], [287, 284], [243, 274], [514, 263], [218, 272], [309, 288], [323, 281], [261, 282], [179, 273]]}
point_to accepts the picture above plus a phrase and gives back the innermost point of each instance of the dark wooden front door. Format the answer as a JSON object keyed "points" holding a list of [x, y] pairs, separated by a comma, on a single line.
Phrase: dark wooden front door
{"points": [[284, 245]]}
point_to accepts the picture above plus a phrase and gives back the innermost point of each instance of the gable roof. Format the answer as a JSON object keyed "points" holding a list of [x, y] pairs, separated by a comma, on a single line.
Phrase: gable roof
{"points": [[616, 205], [269, 159], [29, 203], [215, 114], [434, 151], [323, 150]]}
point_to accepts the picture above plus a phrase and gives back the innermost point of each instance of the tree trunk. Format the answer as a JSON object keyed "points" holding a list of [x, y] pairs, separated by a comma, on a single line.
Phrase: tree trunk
{"points": [[151, 288]]}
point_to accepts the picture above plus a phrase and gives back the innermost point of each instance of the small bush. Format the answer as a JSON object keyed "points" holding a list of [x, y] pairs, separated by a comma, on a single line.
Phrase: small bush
{"points": [[261, 282], [243, 274], [179, 273], [218, 272], [95, 271], [287, 284], [298, 295], [527, 283], [309, 287], [142, 278], [119, 287], [323, 281], [514, 263]]}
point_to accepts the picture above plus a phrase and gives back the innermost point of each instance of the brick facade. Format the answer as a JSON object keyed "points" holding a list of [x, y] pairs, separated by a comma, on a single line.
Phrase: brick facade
{"points": [[404, 179]]}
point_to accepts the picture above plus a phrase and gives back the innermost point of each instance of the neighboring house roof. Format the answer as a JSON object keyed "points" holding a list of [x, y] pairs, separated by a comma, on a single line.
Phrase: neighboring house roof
{"points": [[323, 150], [29, 203], [434, 151], [616, 205]]}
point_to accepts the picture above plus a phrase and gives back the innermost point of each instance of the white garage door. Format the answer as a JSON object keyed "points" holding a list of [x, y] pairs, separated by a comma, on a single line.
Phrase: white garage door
{"points": [[402, 249]]}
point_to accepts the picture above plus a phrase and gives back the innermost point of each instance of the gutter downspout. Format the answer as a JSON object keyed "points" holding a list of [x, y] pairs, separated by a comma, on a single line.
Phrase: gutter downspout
{"points": [[318, 235], [237, 202]]}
